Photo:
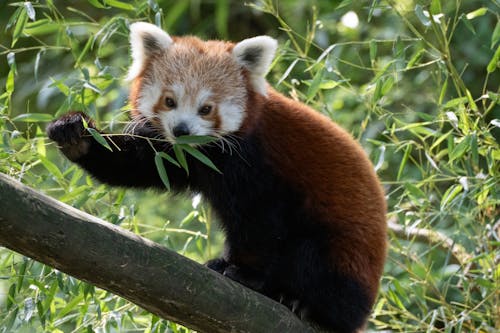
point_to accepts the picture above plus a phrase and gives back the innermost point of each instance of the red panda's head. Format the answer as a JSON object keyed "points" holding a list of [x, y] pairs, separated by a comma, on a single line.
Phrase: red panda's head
{"points": [[187, 86]]}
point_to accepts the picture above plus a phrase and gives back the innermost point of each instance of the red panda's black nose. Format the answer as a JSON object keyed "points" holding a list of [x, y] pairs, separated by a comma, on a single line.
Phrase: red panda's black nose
{"points": [[181, 129]]}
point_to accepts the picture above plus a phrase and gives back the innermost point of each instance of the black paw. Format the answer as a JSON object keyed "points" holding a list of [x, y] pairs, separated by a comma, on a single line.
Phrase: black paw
{"points": [[247, 278], [295, 305], [68, 132], [68, 129], [218, 265]]}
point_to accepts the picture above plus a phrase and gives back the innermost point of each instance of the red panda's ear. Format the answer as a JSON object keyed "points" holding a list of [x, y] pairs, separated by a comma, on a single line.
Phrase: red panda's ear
{"points": [[145, 40], [256, 54]]}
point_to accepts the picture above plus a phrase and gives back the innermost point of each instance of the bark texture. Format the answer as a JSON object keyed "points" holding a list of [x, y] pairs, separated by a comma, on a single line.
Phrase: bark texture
{"points": [[147, 274]]}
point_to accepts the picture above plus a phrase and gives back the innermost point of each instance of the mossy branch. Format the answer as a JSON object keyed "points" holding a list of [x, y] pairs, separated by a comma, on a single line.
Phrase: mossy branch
{"points": [[160, 281]]}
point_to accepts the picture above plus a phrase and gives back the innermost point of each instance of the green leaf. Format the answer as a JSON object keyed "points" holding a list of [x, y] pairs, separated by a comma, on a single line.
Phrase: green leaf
{"points": [[41, 312], [51, 167], [288, 70], [9, 84], [82, 54], [96, 4], [181, 158], [162, 172], [194, 139], [200, 157], [416, 57], [21, 274], [168, 158], [474, 150], [34, 117], [435, 7], [70, 306], [37, 63], [387, 86], [494, 62], [414, 191], [456, 102], [495, 37], [11, 296], [373, 51], [120, 4], [314, 87], [442, 94], [99, 138], [403, 161], [329, 84], [450, 194], [92, 87], [460, 149], [476, 13], [472, 104], [18, 29], [377, 93]]}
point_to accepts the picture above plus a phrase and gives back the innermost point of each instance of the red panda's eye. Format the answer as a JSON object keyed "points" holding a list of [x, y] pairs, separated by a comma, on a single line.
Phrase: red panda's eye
{"points": [[169, 102], [205, 110]]}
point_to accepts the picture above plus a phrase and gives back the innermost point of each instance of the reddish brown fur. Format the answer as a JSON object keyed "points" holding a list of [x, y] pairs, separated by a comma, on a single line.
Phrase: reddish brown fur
{"points": [[322, 159], [316, 155]]}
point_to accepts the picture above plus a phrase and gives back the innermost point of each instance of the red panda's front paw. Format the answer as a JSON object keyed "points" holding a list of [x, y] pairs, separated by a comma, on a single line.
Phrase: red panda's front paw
{"points": [[68, 132]]}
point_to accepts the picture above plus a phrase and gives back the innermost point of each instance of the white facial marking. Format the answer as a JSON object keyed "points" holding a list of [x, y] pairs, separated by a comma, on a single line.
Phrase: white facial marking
{"points": [[231, 115], [148, 97], [203, 96]]}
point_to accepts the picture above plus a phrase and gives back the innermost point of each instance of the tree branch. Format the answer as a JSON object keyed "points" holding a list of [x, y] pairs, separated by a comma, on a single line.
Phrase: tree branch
{"points": [[161, 281], [459, 254]]}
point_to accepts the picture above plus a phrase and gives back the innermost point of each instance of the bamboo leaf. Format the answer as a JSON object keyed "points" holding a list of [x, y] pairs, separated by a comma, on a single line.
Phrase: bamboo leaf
{"points": [[495, 37], [450, 194], [162, 172], [194, 139], [168, 158], [476, 13], [19, 27], [99, 138], [181, 158], [34, 117], [51, 167], [403, 161], [120, 4], [373, 51], [314, 87], [200, 157], [494, 62]]}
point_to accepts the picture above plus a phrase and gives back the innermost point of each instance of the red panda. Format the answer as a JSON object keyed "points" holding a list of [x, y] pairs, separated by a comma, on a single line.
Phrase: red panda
{"points": [[297, 198]]}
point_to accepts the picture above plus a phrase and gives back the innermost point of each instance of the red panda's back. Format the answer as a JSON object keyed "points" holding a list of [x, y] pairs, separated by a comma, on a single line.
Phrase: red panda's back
{"points": [[323, 161]]}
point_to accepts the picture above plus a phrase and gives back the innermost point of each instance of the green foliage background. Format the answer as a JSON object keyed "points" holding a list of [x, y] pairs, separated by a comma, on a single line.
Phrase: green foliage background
{"points": [[417, 82]]}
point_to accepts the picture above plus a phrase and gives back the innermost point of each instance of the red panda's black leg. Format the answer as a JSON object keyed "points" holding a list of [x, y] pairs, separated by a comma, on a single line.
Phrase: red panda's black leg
{"points": [[130, 164], [218, 264], [246, 277]]}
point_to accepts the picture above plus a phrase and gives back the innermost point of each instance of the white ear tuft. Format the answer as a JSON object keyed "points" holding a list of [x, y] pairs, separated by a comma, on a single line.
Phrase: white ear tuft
{"points": [[145, 40], [256, 54]]}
